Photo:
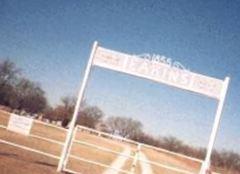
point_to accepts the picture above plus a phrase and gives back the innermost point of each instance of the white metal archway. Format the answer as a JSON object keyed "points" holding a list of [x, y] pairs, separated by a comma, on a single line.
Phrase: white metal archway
{"points": [[159, 72]]}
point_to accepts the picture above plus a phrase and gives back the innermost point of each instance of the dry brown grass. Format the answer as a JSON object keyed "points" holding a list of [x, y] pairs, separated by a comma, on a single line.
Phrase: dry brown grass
{"points": [[170, 160], [4, 118], [16, 161], [48, 132], [94, 154], [38, 144]]}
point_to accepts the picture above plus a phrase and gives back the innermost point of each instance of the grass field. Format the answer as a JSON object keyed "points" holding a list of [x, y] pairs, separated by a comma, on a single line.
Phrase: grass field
{"points": [[14, 160], [17, 161]]}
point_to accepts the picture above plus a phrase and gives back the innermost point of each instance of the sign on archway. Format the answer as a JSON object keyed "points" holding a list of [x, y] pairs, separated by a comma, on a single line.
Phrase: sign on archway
{"points": [[158, 72]]}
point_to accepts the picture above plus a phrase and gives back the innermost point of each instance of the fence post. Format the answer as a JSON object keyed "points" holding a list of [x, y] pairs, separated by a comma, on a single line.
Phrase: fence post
{"points": [[70, 146], [206, 164], [134, 164], [76, 109]]}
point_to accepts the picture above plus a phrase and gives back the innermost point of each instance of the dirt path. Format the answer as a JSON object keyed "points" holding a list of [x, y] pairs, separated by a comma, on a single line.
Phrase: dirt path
{"points": [[119, 162], [145, 167]]}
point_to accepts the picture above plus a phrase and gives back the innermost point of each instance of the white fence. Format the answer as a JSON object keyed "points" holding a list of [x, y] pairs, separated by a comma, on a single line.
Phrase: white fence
{"points": [[39, 136], [54, 135], [134, 157], [158, 72]]}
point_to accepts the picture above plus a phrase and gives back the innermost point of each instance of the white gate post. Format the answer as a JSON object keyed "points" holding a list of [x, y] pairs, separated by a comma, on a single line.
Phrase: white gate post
{"points": [[135, 159], [207, 161], [76, 109]]}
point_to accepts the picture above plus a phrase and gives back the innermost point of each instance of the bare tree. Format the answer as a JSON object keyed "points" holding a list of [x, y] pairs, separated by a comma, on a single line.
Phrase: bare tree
{"points": [[19, 93], [69, 103], [172, 143], [62, 112], [8, 72], [125, 127], [147, 139], [90, 116], [8, 75], [29, 96]]}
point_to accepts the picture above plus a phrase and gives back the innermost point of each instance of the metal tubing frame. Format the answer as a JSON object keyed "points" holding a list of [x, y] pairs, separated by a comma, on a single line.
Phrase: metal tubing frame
{"points": [[76, 110], [206, 164]]}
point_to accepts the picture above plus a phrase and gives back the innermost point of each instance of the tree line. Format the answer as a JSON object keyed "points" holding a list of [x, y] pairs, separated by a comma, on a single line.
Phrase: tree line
{"points": [[20, 93], [17, 92]]}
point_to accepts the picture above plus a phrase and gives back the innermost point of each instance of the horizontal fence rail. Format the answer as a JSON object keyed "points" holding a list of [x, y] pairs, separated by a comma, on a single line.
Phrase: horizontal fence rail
{"points": [[102, 148], [118, 138], [99, 133], [133, 156], [34, 136], [136, 143], [99, 164]]}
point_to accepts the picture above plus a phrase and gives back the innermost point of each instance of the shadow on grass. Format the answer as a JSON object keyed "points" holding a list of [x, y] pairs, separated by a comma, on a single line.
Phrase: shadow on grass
{"points": [[45, 164], [8, 154]]}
